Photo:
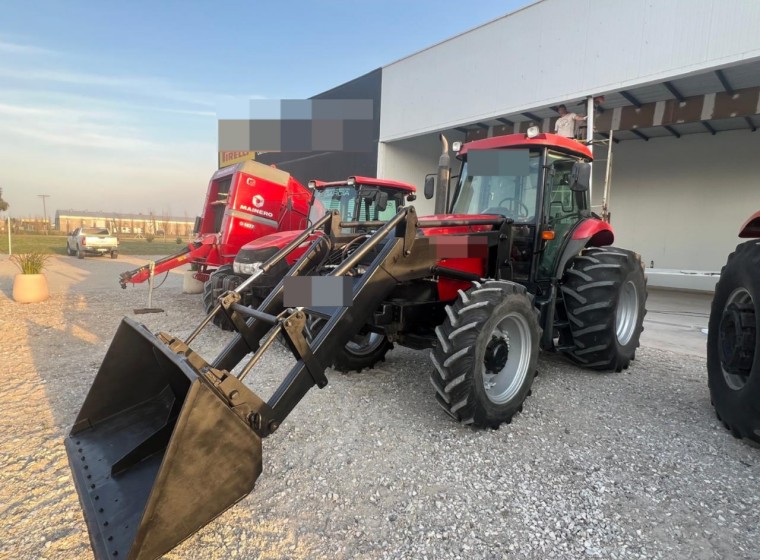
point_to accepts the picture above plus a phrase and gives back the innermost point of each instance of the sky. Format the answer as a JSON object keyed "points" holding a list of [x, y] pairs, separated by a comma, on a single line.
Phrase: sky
{"points": [[112, 106]]}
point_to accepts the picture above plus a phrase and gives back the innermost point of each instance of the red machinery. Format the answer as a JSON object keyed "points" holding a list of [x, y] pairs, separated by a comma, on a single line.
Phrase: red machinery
{"points": [[244, 202]]}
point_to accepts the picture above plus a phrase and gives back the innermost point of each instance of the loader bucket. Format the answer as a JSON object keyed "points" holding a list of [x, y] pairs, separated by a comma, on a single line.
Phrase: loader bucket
{"points": [[156, 453]]}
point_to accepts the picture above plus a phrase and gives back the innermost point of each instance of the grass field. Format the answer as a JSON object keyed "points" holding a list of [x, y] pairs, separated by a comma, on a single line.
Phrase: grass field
{"points": [[56, 245]]}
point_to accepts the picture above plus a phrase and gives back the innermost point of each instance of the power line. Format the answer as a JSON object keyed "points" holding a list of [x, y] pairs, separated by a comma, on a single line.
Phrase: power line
{"points": [[44, 209]]}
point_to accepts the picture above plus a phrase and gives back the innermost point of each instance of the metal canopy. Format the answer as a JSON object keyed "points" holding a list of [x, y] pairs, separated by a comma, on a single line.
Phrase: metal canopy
{"points": [[711, 102]]}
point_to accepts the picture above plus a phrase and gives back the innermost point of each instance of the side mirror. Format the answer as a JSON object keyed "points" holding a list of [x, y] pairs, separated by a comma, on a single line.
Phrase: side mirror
{"points": [[411, 197], [429, 188], [580, 176], [381, 200]]}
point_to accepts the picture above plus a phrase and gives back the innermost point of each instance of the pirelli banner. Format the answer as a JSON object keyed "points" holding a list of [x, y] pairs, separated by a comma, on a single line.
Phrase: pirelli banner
{"points": [[231, 158]]}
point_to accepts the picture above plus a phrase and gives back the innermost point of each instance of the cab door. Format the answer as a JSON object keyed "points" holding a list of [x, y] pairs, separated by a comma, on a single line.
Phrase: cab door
{"points": [[562, 210]]}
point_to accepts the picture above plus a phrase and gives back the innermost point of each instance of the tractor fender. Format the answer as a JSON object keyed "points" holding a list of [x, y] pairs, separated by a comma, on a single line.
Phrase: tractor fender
{"points": [[751, 228], [595, 231], [591, 232]]}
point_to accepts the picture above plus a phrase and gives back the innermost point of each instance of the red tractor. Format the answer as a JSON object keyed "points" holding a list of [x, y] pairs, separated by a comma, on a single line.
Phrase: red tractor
{"points": [[243, 202], [516, 261], [356, 198], [733, 338]]}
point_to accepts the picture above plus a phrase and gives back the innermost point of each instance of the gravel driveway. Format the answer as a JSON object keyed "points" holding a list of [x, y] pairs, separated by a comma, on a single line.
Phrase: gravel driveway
{"points": [[629, 465]]}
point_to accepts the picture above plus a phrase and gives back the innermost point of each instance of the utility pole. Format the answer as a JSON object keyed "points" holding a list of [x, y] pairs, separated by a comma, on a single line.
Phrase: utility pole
{"points": [[44, 210]]}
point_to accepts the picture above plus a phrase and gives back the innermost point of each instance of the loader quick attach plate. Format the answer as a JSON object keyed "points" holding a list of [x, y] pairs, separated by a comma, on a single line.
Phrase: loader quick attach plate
{"points": [[156, 453]]}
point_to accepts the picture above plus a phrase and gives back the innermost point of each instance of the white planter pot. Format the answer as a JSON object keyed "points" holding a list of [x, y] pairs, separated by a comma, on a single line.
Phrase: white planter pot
{"points": [[190, 285], [30, 288]]}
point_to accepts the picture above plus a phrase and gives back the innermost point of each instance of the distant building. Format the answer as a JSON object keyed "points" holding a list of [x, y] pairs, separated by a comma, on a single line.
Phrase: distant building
{"points": [[28, 225], [138, 224]]}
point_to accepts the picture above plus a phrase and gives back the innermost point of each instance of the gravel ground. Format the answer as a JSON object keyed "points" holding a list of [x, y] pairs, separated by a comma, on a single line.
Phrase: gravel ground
{"points": [[630, 465]]}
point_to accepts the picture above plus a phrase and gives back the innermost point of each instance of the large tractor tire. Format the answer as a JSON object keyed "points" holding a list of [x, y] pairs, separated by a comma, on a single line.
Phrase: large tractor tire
{"points": [[604, 291], [485, 362], [733, 344], [215, 286], [363, 351]]}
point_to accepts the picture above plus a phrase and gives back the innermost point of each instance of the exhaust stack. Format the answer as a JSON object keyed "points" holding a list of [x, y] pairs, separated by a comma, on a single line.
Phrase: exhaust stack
{"points": [[442, 180]]}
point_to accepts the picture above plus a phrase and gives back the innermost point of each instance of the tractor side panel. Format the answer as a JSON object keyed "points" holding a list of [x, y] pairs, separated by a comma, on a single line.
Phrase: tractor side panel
{"points": [[447, 288], [216, 199], [254, 210]]}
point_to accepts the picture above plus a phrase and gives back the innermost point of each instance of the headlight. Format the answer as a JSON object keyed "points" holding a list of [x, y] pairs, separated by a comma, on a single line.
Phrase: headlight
{"points": [[245, 268]]}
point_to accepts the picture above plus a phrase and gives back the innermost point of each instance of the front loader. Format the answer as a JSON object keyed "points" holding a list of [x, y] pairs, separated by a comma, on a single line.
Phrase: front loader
{"points": [[167, 440]]}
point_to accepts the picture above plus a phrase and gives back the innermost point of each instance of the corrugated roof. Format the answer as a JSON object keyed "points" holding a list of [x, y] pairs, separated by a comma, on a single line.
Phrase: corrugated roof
{"points": [[737, 77]]}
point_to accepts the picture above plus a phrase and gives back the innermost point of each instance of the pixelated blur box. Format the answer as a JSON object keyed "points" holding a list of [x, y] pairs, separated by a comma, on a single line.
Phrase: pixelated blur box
{"points": [[498, 163], [460, 246], [318, 291]]}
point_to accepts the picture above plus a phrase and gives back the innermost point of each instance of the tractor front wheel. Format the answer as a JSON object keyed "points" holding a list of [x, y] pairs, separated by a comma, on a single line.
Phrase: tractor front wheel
{"points": [[733, 343], [214, 287], [485, 361], [363, 351], [604, 291]]}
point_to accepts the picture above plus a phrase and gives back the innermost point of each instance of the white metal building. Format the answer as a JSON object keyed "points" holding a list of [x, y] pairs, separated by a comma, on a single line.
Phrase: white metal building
{"points": [[681, 87]]}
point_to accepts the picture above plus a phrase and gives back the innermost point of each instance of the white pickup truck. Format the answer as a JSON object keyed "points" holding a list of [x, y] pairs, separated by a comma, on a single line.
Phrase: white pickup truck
{"points": [[91, 241]]}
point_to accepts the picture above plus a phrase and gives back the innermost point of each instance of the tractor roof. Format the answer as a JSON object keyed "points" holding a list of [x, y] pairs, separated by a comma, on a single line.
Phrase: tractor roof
{"points": [[371, 181], [560, 143]]}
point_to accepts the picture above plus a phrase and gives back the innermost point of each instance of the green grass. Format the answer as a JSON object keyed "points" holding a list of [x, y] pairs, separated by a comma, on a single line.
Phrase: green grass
{"points": [[56, 245]]}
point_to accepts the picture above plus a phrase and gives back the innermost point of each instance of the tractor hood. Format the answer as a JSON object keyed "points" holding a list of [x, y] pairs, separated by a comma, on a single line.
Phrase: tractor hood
{"points": [[447, 230]]}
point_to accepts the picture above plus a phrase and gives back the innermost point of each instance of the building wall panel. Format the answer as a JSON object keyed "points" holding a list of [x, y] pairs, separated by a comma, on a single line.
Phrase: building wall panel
{"points": [[558, 50]]}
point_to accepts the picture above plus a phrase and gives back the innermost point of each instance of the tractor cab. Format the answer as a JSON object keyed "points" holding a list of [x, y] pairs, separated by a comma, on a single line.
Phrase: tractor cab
{"points": [[364, 199], [539, 181]]}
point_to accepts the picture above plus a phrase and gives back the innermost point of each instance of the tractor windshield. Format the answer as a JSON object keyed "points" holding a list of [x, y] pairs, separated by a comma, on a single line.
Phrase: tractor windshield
{"points": [[513, 192], [343, 199]]}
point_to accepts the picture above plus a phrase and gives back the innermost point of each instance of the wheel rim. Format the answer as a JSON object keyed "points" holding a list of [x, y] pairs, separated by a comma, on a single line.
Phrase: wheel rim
{"points": [[507, 359], [359, 345], [627, 313], [364, 344], [736, 342]]}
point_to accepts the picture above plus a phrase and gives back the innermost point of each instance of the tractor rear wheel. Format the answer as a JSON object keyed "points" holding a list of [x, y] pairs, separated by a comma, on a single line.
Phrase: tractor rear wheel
{"points": [[485, 362], [604, 291], [733, 344]]}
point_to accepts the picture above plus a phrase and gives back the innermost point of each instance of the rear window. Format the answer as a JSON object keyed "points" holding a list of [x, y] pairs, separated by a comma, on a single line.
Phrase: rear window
{"points": [[95, 231]]}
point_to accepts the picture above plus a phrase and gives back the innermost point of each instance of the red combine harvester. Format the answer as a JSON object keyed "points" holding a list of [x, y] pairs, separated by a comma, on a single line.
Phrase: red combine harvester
{"points": [[244, 202]]}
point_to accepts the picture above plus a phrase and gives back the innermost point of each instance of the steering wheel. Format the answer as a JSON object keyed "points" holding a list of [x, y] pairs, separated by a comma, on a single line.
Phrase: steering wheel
{"points": [[520, 206]]}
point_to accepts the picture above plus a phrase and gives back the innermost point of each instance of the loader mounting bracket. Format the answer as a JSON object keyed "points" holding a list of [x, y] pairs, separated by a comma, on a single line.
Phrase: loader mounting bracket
{"points": [[242, 401], [293, 328]]}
